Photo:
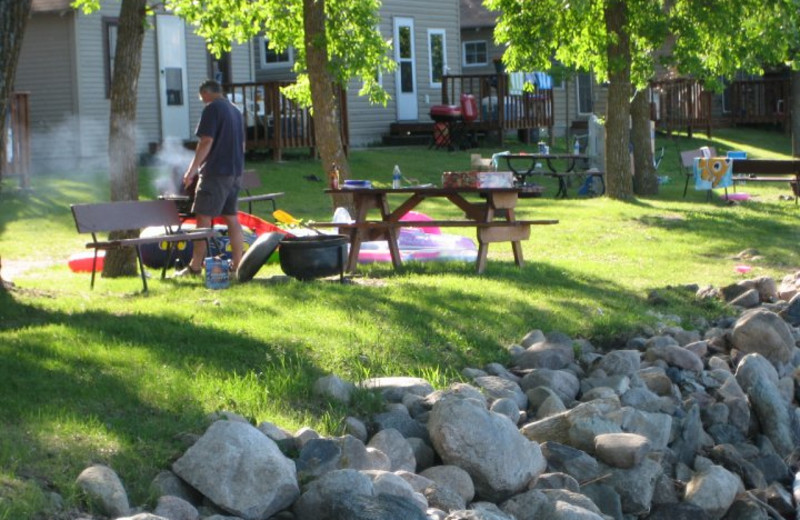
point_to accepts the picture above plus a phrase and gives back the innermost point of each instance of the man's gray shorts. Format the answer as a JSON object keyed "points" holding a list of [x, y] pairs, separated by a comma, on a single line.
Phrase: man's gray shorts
{"points": [[217, 195]]}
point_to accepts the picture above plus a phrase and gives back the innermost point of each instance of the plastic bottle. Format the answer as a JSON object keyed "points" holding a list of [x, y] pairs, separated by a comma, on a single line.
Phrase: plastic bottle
{"points": [[333, 177], [576, 148], [396, 176]]}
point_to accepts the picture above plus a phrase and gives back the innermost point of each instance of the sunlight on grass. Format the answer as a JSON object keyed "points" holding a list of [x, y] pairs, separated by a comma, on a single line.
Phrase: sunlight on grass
{"points": [[116, 376]]}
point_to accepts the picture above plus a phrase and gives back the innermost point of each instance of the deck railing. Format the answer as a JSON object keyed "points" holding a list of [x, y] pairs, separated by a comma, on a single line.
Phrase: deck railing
{"points": [[759, 101], [18, 139], [274, 121], [521, 111], [681, 104]]}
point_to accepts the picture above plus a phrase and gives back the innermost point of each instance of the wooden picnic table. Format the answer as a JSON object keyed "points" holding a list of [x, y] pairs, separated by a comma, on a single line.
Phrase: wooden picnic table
{"points": [[524, 167], [493, 217]]}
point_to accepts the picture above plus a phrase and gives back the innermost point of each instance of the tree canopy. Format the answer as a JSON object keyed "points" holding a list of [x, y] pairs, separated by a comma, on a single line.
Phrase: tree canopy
{"points": [[624, 41]]}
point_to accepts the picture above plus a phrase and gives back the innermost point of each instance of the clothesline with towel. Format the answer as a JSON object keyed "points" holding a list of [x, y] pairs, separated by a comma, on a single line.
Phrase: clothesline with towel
{"points": [[517, 81]]}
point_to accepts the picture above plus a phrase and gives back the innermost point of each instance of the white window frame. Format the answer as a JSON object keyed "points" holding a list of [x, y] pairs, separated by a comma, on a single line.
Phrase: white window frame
{"points": [[263, 41], [464, 53], [443, 34], [578, 93]]}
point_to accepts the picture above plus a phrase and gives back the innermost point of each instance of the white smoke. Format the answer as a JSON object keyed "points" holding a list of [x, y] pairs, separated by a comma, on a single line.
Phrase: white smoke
{"points": [[171, 162]]}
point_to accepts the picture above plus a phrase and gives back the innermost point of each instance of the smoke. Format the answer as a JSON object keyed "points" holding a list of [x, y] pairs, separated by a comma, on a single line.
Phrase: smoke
{"points": [[171, 162], [74, 146]]}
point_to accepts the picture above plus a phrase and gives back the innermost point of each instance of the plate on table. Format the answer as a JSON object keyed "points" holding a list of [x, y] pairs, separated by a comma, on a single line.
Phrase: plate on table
{"points": [[350, 184]]}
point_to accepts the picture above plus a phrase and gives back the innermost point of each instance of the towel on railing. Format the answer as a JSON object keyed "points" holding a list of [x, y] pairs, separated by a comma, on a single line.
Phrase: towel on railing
{"points": [[515, 82], [712, 172]]}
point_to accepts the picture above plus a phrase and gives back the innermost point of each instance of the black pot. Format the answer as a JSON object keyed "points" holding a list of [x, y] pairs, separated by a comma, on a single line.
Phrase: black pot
{"points": [[306, 258]]}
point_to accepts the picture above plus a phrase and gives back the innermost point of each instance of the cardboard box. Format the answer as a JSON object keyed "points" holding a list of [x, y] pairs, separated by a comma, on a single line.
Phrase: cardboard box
{"points": [[476, 179]]}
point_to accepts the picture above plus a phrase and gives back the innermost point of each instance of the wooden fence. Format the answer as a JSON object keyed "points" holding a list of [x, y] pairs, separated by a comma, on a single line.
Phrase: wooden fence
{"points": [[18, 139]]}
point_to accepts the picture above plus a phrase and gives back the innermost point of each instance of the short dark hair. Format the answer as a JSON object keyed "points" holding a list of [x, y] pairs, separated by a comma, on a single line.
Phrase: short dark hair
{"points": [[211, 85]]}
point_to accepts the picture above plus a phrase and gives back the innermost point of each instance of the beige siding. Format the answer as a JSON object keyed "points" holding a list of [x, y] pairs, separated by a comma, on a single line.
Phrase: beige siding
{"points": [[46, 70], [368, 123]]}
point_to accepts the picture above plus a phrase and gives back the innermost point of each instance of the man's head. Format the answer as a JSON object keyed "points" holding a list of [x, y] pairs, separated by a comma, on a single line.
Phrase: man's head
{"points": [[210, 90]]}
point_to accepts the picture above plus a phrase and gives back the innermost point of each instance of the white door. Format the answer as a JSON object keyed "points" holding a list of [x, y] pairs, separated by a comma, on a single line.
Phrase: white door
{"points": [[172, 78], [406, 74]]}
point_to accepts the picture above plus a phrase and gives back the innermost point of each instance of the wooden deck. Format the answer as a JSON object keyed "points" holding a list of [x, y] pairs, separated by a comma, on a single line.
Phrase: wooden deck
{"points": [[276, 123], [524, 111]]}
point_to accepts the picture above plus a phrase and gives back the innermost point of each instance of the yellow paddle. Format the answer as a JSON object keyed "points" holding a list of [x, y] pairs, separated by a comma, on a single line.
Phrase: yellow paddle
{"points": [[285, 218]]}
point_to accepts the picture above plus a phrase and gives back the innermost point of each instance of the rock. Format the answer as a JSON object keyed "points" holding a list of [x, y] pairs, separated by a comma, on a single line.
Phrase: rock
{"points": [[452, 477], [656, 427], [318, 497], [677, 511], [551, 406], [573, 462], [174, 508], [497, 387], [393, 388], [676, 356], [713, 490], [384, 482], [564, 383], [400, 421], [620, 363], [635, 486], [758, 379], [356, 428], [168, 483], [480, 511], [606, 498], [334, 388], [728, 457], [392, 443], [507, 407], [423, 453], [763, 332], [557, 481], [240, 469], [444, 498], [530, 505], [621, 450], [317, 457], [500, 461], [577, 426], [546, 354], [534, 336], [103, 490], [748, 299], [791, 313], [351, 506]]}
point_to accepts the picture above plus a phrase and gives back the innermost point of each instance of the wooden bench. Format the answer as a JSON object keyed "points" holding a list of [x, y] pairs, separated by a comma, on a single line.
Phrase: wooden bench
{"points": [[130, 215], [767, 170], [251, 181]]}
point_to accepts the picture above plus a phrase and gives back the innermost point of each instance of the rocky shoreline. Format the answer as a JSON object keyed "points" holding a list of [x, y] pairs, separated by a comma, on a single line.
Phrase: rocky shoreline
{"points": [[674, 424]]}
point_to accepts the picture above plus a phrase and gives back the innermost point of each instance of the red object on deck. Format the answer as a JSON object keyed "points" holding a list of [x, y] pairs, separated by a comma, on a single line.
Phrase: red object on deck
{"points": [[469, 108]]}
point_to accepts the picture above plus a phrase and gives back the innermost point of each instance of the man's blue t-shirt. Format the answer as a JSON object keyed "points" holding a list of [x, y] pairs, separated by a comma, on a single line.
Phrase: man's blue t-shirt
{"points": [[222, 121]]}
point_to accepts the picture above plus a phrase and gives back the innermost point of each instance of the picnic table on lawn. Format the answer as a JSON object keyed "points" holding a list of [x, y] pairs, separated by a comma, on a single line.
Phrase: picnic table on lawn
{"points": [[524, 167], [493, 218]]}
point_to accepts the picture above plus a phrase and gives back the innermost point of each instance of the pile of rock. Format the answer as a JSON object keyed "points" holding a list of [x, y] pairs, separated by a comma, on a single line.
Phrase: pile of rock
{"points": [[678, 424]]}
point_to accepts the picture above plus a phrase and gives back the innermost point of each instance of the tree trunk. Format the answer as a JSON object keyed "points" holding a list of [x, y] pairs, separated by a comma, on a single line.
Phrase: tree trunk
{"points": [[619, 181], [795, 113], [324, 97], [645, 180], [122, 156], [13, 19]]}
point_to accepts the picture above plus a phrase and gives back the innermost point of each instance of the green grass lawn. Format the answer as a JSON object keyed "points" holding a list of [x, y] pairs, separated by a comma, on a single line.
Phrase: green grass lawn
{"points": [[114, 376]]}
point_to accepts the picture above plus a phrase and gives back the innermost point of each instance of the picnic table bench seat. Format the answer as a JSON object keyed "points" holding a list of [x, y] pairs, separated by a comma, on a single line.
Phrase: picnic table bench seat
{"points": [[251, 181], [131, 215]]}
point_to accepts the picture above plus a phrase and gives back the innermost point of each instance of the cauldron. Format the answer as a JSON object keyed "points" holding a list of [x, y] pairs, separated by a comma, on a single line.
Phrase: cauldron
{"points": [[317, 256]]}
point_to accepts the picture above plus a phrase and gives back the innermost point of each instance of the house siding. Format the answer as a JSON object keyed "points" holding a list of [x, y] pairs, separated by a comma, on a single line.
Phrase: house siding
{"points": [[47, 71], [62, 65], [368, 122]]}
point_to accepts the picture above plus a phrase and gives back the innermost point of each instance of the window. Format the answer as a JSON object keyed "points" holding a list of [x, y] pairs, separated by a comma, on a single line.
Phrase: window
{"points": [[475, 53], [437, 56], [583, 84], [110, 27], [270, 58]]}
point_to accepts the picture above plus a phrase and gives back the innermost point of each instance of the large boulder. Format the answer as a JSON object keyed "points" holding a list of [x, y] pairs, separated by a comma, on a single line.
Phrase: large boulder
{"points": [[103, 490], [713, 490], [761, 331], [486, 445], [241, 470]]}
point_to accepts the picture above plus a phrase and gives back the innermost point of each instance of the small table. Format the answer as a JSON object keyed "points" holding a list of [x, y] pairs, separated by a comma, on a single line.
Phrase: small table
{"points": [[522, 174], [493, 218]]}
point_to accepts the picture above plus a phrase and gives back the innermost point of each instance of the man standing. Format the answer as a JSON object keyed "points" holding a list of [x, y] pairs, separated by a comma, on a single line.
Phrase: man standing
{"points": [[218, 161]]}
